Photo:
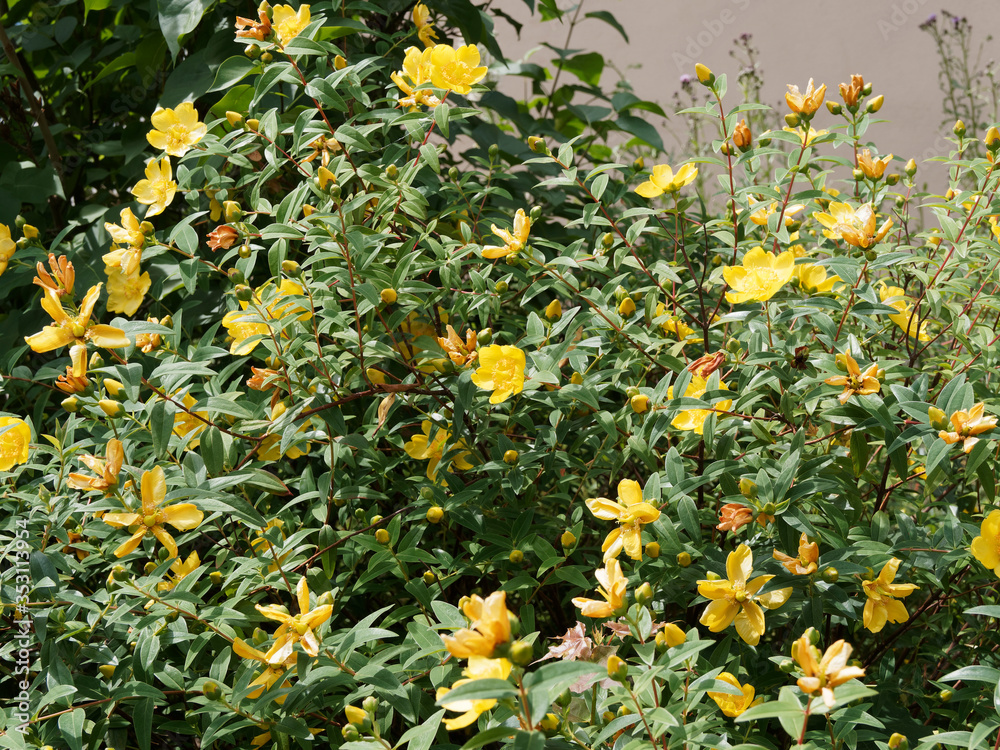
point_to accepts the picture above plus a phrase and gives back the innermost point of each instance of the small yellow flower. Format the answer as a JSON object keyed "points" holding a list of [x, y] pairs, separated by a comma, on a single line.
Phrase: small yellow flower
{"points": [[501, 370], [761, 215], [813, 279], [158, 189], [270, 446], [873, 168], [514, 242], [895, 297], [882, 605], [479, 668], [805, 103], [179, 571], [694, 419], [663, 180], [612, 588], [416, 72], [7, 247], [287, 23], [456, 69], [806, 137], [430, 445], [126, 291], [269, 676], [674, 326], [262, 546], [425, 29], [247, 324], [183, 516], [824, 673], [295, 628], [129, 234], [77, 331], [176, 130], [851, 92], [856, 228], [967, 425], [460, 352], [631, 512], [855, 382], [736, 598], [187, 425], [15, 441], [106, 470], [489, 627], [807, 560], [986, 546], [733, 705], [760, 277]]}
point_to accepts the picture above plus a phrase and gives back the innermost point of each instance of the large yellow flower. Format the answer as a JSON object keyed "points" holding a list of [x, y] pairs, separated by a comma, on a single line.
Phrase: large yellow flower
{"points": [[187, 425], [807, 560], [736, 599], [295, 628], [247, 328], [270, 446], [429, 447], [733, 705], [805, 103], [176, 130], [129, 235], [967, 425], [631, 512], [895, 297], [855, 382], [855, 227], [287, 23], [76, 331], [480, 668], [416, 72], [612, 588], [106, 470], [183, 516], [15, 442], [882, 605], [425, 29], [271, 673], [126, 291], [456, 69], [158, 189], [986, 546], [663, 180], [489, 627], [694, 419], [760, 277], [501, 370], [513, 241], [823, 673]]}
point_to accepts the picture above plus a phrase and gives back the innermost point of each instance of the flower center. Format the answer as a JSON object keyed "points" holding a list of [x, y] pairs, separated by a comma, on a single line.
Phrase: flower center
{"points": [[150, 520]]}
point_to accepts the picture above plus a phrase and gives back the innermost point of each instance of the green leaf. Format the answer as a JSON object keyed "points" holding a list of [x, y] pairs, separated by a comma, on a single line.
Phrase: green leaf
{"points": [[603, 15], [231, 72], [973, 673], [544, 684], [71, 728], [476, 690], [180, 17], [422, 737], [142, 719], [587, 67]]}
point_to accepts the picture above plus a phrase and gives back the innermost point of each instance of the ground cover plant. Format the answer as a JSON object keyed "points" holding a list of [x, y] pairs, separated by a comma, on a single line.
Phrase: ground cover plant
{"points": [[351, 402]]}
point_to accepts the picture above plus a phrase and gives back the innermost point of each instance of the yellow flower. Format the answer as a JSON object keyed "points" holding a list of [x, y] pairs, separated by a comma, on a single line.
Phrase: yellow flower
{"points": [[243, 325], [813, 279], [967, 425], [429, 447], [148, 342], [895, 297], [288, 24], [460, 352], [806, 137], [295, 629], [489, 627], [856, 228], [187, 425], [807, 560], [986, 546], [855, 382], [7, 247], [270, 446], [825, 673], [355, 715], [262, 546], [183, 516], [873, 168], [674, 326], [882, 593], [631, 512], [736, 599], [456, 69], [422, 20], [612, 588], [805, 103], [761, 215], [176, 130], [158, 189], [694, 419], [479, 668], [129, 234], [180, 570], [663, 180], [77, 331], [15, 440], [416, 72], [513, 241], [760, 276], [851, 92], [501, 370], [105, 469], [671, 635], [125, 291], [734, 705], [269, 676]]}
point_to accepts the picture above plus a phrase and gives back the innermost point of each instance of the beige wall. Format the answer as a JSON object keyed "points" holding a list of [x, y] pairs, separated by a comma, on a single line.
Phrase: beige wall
{"points": [[879, 39]]}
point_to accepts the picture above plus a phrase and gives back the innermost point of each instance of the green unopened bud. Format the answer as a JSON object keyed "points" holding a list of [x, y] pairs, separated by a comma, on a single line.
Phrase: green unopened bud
{"points": [[243, 293], [787, 666], [683, 559], [831, 574], [535, 213], [260, 636], [653, 550], [370, 704], [769, 509], [792, 120], [521, 653], [748, 488], [892, 179], [644, 594], [453, 174], [350, 733], [427, 493], [212, 691], [245, 251], [119, 573], [485, 336], [253, 51], [392, 172], [564, 698], [516, 556], [858, 175], [910, 168], [493, 151], [266, 57], [537, 144], [875, 104], [959, 128], [500, 287], [813, 635], [834, 107], [291, 269], [607, 240]]}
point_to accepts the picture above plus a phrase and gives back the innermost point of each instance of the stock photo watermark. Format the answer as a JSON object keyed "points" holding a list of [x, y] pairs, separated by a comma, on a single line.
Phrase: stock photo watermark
{"points": [[23, 635]]}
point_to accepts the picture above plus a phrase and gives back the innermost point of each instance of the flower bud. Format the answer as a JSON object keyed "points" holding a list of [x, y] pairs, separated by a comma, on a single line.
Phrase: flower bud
{"points": [[705, 76], [787, 666], [291, 269], [639, 163], [243, 293], [792, 120], [253, 124], [549, 722], [516, 556], [670, 636], [945, 695], [607, 240], [683, 559], [831, 574], [742, 137], [215, 577], [500, 287], [260, 636], [370, 704], [253, 51], [71, 404], [834, 107], [266, 57], [382, 536], [644, 594], [107, 670], [892, 179], [639, 403], [149, 567], [235, 119], [937, 418], [119, 573], [576, 378], [521, 653], [959, 128], [617, 669], [769, 509], [626, 307], [858, 174], [484, 337], [910, 168], [568, 539], [537, 144], [748, 488], [392, 172], [339, 63], [554, 311], [388, 296], [898, 742], [992, 140], [653, 550], [350, 733], [510, 457], [20, 222], [31, 233], [493, 151], [324, 177], [429, 577], [109, 407], [725, 150], [212, 691], [355, 716], [875, 104], [435, 514]]}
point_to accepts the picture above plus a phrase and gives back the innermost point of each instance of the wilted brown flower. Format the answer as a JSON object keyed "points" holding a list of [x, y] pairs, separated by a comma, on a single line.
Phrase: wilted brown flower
{"points": [[62, 278], [223, 237]]}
